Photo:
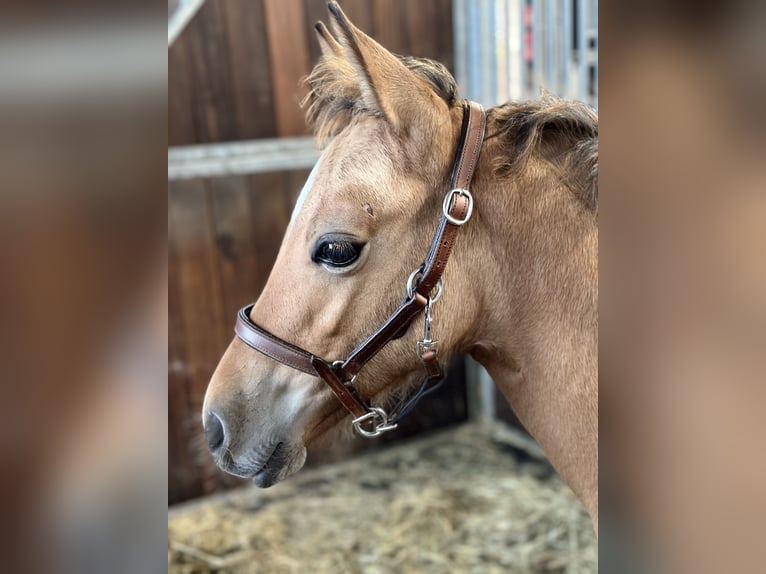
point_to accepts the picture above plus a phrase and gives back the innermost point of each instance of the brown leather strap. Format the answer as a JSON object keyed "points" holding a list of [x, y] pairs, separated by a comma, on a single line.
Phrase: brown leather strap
{"points": [[465, 164], [466, 157], [344, 391], [271, 345], [431, 364], [394, 327]]}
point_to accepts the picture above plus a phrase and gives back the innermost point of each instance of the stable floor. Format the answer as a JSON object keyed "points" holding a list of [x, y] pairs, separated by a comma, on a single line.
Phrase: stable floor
{"points": [[468, 500]]}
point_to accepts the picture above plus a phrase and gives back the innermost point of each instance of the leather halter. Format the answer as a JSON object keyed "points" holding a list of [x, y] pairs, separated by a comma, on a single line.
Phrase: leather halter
{"points": [[340, 376]]}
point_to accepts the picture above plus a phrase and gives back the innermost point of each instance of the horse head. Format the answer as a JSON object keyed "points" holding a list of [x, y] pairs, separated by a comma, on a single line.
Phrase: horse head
{"points": [[361, 225]]}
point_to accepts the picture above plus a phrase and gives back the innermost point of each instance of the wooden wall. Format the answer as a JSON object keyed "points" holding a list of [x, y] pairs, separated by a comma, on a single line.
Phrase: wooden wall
{"points": [[234, 74]]}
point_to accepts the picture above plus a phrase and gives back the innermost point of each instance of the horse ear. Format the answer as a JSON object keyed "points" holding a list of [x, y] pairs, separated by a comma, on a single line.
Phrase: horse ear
{"points": [[386, 85], [327, 43]]}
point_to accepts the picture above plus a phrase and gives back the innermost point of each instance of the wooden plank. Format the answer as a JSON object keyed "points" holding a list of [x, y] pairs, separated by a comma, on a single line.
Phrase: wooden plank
{"points": [[444, 49], [180, 122], [250, 70], [235, 72], [198, 317], [237, 253], [200, 282], [421, 28], [315, 11], [360, 13], [250, 215], [272, 196], [293, 186], [389, 25], [289, 57], [183, 481], [213, 110], [244, 157]]}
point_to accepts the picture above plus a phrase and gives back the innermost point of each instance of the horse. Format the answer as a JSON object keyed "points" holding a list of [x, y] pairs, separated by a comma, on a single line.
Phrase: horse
{"points": [[519, 292]]}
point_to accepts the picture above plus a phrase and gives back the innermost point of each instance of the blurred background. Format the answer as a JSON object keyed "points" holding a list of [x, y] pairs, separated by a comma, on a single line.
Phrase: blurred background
{"points": [[239, 153], [84, 136]]}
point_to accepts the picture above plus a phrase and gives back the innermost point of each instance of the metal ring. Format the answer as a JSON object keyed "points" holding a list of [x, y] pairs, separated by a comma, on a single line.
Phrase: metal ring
{"points": [[374, 413], [411, 285], [439, 289], [411, 281], [447, 204]]}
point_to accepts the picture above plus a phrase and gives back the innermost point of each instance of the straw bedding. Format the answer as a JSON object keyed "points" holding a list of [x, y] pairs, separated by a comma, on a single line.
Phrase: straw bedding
{"points": [[468, 500]]}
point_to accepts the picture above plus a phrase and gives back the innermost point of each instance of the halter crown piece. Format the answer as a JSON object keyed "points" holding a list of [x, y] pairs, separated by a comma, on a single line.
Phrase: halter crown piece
{"points": [[341, 375]]}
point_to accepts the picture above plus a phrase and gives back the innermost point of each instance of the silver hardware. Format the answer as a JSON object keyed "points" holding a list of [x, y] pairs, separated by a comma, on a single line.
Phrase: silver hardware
{"points": [[427, 344], [448, 203], [423, 347], [375, 414], [411, 285], [352, 380]]}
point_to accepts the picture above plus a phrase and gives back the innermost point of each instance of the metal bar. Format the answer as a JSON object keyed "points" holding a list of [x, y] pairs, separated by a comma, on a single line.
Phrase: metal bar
{"points": [[537, 41], [240, 158], [181, 17], [489, 56], [582, 59], [526, 72], [549, 35], [502, 78], [474, 75], [480, 392], [594, 10], [561, 46], [486, 394], [515, 49], [460, 35], [566, 48]]}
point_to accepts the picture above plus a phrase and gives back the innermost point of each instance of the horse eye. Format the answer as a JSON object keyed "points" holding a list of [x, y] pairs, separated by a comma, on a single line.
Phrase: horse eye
{"points": [[337, 252]]}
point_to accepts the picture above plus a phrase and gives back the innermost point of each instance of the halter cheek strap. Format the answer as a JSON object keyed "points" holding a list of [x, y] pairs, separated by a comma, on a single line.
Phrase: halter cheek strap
{"points": [[341, 375]]}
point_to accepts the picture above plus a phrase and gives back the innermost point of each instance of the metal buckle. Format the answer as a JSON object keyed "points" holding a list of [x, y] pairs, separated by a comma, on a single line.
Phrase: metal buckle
{"points": [[375, 413], [448, 203], [427, 344], [411, 285]]}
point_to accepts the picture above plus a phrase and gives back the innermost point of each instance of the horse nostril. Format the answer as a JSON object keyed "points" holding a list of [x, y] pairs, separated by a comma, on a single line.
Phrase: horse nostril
{"points": [[213, 431]]}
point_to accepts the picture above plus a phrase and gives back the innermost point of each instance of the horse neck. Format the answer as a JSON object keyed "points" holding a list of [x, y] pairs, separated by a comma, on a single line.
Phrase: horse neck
{"points": [[535, 249], [531, 264]]}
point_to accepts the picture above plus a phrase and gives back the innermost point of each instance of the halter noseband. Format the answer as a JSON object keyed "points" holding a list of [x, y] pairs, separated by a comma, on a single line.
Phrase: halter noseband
{"points": [[340, 376]]}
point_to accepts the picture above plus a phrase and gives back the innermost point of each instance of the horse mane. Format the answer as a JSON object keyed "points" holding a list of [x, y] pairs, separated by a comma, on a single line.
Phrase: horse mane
{"points": [[562, 132]]}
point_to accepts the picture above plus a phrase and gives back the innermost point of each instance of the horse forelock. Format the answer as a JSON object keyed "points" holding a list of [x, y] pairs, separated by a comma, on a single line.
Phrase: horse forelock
{"points": [[563, 133], [334, 95]]}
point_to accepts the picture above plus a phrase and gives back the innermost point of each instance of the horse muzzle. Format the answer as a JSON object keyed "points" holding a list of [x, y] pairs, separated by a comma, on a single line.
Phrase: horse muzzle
{"points": [[265, 463]]}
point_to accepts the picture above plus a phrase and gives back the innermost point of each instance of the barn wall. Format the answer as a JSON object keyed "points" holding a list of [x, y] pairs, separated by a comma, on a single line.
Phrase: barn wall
{"points": [[234, 74]]}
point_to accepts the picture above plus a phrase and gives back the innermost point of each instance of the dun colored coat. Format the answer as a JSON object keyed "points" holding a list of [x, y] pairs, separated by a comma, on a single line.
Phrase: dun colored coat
{"points": [[520, 290]]}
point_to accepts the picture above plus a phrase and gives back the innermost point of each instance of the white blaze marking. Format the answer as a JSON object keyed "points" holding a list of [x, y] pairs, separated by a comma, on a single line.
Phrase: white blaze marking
{"points": [[306, 190]]}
